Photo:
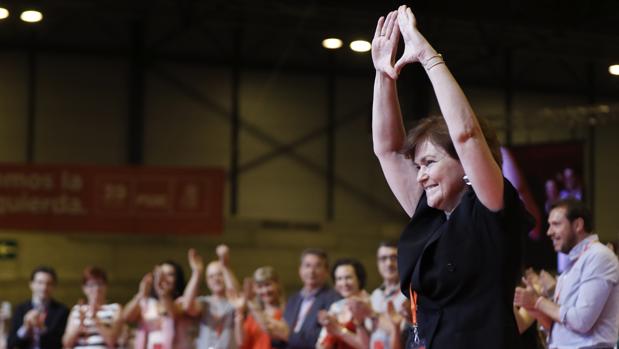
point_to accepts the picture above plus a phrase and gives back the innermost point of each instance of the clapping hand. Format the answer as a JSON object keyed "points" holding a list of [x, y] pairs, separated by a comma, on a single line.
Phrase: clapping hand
{"points": [[526, 297], [146, 285], [359, 308], [547, 282], [328, 321], [196, 263], [223, 254]]}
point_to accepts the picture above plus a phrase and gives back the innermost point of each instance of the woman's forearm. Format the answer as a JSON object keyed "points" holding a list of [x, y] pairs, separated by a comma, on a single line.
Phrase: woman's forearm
{"points": [[191, 292], [388, 132], [71, 334], [131, 311]]}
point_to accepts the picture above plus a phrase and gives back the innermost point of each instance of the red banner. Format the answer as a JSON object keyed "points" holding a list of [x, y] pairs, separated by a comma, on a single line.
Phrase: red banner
{"points": [[111, 199]]}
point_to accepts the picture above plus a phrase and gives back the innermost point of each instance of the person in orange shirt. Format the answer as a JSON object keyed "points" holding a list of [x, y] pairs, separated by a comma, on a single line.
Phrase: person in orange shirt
{"points": [[259, 323]]}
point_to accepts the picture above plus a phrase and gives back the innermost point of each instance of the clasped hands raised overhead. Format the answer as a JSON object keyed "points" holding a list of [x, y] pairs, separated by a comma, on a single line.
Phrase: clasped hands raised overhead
{"points": [[387, 36]]}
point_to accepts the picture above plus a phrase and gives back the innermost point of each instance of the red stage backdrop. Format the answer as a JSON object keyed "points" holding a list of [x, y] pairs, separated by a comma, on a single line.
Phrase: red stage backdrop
{"points": [[111, 199]]}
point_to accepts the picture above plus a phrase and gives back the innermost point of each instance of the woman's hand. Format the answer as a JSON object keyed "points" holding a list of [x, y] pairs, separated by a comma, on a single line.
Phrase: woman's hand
{"points": [[329, 322], [359, 308], [223, 254], [277, 329], [385, 44], [196, 263], [238, 301], [416, 47], [145, 285]]}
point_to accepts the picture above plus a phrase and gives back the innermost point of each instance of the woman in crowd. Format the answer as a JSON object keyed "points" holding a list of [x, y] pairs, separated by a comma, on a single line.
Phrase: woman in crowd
{"points": [[5, 316], [343, 327], [259, 323], [95, 324], [215, 312], [157, 310], [459, 255]]}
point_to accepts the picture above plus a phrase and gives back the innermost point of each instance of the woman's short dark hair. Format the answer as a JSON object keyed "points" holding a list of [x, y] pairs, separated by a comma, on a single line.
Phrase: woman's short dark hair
{"points": [[94, 273], [357, 266], [434, 129]]}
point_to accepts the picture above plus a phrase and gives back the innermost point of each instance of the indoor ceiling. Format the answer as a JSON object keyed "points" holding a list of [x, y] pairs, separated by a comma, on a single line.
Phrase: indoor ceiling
{"points": [[548, 46]]}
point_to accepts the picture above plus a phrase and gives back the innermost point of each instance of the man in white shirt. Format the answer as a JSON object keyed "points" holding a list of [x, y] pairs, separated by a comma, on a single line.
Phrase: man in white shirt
{"points": [[387, 300], [584, 312]]}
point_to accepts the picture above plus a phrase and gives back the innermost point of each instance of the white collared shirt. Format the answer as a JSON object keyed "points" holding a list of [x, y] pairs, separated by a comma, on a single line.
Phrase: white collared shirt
{"points": [[588, 297]]}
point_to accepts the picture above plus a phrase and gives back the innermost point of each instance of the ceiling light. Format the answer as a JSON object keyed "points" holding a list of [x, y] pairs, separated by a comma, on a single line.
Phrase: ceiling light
{"points": [[332, 43], [614, 69], [4, 13], [31, 16], [360, 46]]}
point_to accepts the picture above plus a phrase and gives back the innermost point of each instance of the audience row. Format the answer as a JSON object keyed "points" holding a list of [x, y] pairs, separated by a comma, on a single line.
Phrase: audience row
{"points": [[167, 313]]}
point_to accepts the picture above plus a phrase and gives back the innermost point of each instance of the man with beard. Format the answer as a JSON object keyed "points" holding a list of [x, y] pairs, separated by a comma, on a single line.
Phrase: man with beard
{"points": [[584, 311]]}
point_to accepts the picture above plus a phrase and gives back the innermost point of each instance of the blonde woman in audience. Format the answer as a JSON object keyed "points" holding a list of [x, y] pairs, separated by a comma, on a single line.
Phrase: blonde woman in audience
{"points": [[95, 324], [158, 312], [343, 327], [215, 312], [259, 324]]}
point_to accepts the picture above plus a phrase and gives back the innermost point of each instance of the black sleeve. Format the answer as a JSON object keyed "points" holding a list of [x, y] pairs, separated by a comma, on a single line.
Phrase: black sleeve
{"points": [[16, 322], [507, 225], [56, 326]]}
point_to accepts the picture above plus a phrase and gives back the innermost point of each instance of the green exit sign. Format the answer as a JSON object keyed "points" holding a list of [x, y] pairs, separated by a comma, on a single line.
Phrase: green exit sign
{"points": [[8, 249]]}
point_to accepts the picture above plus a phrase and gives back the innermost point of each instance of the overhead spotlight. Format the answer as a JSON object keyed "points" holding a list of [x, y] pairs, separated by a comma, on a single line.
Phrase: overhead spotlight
{"points": [[332, 43], [4, 13], [360, 46], [31, 16], [614, 69]]}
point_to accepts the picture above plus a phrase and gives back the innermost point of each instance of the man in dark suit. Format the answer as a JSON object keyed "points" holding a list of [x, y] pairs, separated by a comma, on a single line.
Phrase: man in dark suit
{"points": [[301, 313], [40, 322]]}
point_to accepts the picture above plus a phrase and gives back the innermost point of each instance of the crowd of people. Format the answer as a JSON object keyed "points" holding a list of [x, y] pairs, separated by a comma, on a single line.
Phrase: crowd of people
{"points": [[452, 280], [169, 313]]}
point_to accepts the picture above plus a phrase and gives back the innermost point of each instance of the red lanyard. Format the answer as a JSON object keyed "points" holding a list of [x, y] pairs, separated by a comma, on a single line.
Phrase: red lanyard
{"points": [[413, 297]]}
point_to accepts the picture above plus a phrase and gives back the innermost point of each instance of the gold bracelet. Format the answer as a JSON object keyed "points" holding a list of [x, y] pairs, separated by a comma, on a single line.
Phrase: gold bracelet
{"points": [[429, 64]]}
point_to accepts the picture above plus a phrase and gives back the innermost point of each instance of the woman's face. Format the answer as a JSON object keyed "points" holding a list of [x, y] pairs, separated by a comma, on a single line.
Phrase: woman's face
{"points": [[95, 291], [439, 175], [168, 274], [346, 282], [268, 291]]}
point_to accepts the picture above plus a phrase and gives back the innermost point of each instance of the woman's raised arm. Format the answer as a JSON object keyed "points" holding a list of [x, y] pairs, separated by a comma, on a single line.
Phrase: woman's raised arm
{"points": [[482, 170], [388, 132]]}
